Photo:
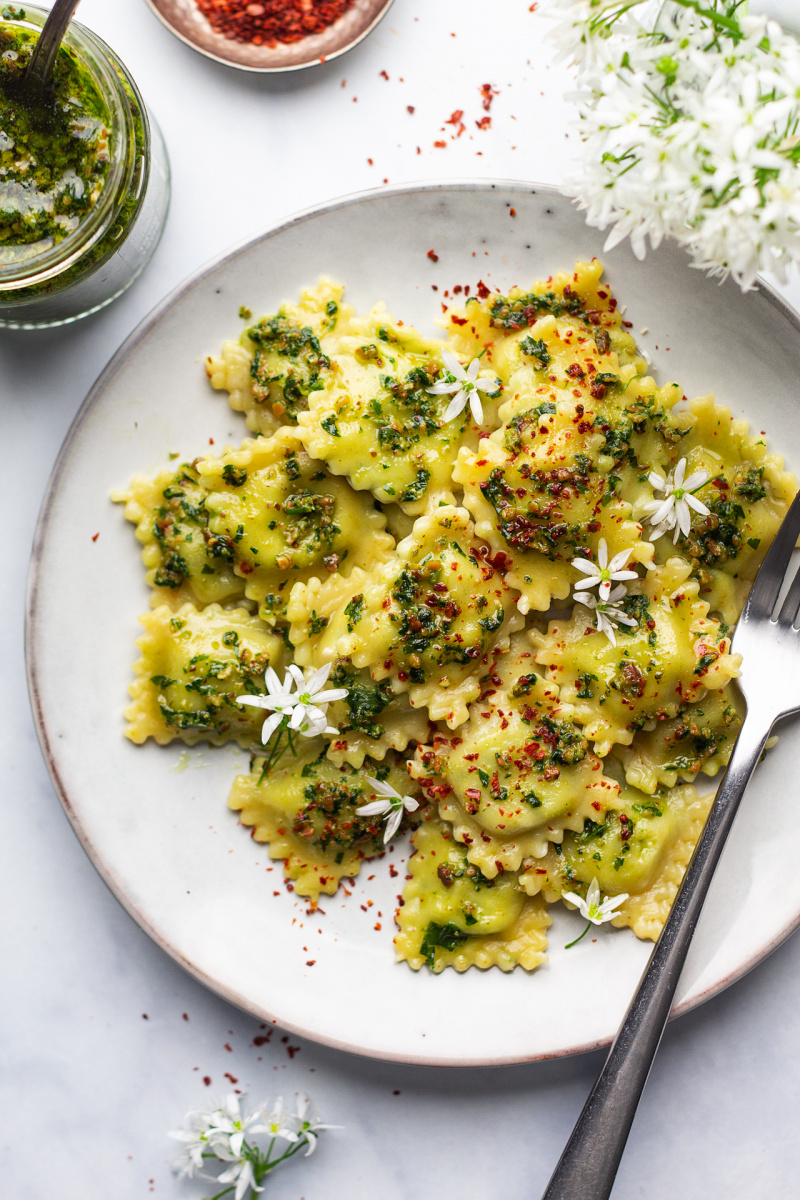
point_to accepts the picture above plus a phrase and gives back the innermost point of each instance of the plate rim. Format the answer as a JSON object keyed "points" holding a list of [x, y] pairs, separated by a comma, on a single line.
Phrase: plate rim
{"points": [[93, 397]]}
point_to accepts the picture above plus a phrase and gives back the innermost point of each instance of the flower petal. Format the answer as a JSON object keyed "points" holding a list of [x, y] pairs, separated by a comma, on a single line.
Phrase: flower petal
{"points": [[696, 504], [382, 788], [680, 471], [392, 824], [475, 407], [374, 808], [455, 406], [695, 480], [256, 701], [270, 725], [317, 678], [453, 365]]}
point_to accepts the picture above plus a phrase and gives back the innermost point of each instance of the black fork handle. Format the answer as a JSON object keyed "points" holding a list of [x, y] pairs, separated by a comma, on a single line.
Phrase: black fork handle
{"points": [[591, 1158]]}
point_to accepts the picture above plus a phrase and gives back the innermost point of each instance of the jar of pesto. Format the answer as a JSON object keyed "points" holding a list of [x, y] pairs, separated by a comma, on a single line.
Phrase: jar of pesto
{"points": [[84, 178]]}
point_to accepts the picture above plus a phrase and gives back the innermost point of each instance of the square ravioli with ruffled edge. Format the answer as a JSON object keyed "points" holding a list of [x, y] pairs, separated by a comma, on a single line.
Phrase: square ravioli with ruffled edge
{"points": [[427, 619], [372, 718], [380, 421], [700, 739], [454, 916], [306, 810], [185, 562], [564, 470], [640, 850], [195, 665], [282, 358], [283, 518], [746, 495], [577, 303], [670, 654], [518, 773]]}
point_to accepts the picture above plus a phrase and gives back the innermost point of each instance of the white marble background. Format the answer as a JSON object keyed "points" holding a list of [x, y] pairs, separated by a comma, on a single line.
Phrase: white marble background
{"points": [[98, 1058]]}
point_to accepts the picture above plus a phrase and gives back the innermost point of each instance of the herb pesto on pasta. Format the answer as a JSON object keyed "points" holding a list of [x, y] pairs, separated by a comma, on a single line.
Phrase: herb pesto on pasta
{"points": [[479, 587]]}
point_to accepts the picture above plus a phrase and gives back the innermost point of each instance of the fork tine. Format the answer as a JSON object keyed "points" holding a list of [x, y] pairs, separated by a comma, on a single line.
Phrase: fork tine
{"points": [[791, 603], [767, 586]]}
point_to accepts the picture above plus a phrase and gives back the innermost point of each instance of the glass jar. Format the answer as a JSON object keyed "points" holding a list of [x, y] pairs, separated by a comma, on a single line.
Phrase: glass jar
{"points": [[92, 258]]}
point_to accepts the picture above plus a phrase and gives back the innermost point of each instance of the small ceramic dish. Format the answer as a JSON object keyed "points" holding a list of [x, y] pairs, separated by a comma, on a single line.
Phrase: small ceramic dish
{"points": [[186, 21]]}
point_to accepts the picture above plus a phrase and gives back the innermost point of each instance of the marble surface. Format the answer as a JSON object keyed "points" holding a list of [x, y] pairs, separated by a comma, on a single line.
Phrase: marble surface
{"points": [[106, 1042]]}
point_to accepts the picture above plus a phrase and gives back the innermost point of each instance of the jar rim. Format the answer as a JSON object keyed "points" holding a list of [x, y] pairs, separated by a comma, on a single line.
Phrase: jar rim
{"points": [[103, 67]]}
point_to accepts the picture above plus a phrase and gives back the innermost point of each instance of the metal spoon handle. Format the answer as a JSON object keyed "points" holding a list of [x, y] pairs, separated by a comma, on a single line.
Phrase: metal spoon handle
{"points": [[37, 72], [588, 1166]]}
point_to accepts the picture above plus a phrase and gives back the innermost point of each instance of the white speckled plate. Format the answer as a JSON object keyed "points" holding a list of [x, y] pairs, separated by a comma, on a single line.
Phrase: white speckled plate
{"points": [[162, 837]]}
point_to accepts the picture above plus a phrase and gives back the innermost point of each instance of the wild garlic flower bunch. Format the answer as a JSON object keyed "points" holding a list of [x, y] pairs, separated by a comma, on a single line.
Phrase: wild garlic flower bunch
{"points": [[226, 1135], [689, 114]]}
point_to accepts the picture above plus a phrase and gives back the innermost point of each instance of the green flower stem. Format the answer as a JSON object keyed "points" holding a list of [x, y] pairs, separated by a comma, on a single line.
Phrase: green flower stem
{"points": [[276, 754], [569, 945]]}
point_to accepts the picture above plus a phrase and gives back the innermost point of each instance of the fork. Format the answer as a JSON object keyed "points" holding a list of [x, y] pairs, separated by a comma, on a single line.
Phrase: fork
{"points": [[588, 1166]]}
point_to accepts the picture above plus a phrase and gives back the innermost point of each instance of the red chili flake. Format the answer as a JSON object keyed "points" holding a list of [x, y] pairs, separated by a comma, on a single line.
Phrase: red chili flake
{"points": [[440, 145], [207, 1080], [512, 212], [292, 1050], [458, 320], [629, 325], [268, 22], [488, 93], [484, 123], [185, 1016], [383, 75], [232, 1078], [261, 1039], [482, 290], [211, 441], [455, 117], [410, 108], [95, 536], [227, 1047], [311, 962], [433, 256], [369, 160]]}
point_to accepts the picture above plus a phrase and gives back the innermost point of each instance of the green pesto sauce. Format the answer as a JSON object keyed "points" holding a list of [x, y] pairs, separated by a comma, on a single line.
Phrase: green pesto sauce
{"points": [[54, 148]]}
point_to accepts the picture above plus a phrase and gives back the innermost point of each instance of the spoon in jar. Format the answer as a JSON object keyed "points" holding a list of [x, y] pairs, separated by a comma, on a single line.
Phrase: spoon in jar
{"points": [[40, 64]]}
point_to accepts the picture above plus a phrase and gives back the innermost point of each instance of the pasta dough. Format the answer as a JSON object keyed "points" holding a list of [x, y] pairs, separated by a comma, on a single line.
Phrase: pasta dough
{"points": [[537, 724]]}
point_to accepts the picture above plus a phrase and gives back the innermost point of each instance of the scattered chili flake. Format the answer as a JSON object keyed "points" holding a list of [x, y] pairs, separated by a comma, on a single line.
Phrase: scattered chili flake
{"points": [[484, 123], [232, 1078], [440, 145], [311, 962], [268, 22], [433, 256], [95, 536], [207, 1080], [410, 108], [488, 93], [384, 75]]}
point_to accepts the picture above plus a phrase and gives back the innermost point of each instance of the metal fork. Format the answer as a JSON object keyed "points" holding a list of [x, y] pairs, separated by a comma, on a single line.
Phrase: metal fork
{"points": [[770, 648]]}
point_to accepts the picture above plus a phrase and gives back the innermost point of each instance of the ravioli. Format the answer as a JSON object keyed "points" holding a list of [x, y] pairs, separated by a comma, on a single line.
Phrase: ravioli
{"points": [[536, 723]]}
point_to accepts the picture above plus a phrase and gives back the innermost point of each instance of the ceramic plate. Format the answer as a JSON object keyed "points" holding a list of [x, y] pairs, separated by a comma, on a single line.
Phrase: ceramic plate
{"points": [[154, 820]]}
